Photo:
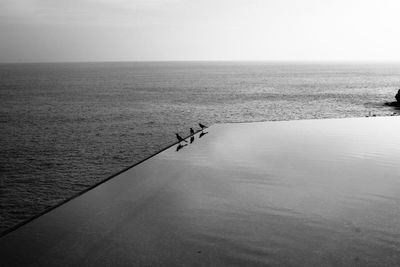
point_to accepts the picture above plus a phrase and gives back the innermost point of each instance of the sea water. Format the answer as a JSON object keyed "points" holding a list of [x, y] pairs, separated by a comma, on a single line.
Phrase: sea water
{"points": [[66, 126]]}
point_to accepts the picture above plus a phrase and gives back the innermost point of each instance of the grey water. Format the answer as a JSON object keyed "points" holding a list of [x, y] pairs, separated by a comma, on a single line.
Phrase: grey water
{"points": [[67, 126]]}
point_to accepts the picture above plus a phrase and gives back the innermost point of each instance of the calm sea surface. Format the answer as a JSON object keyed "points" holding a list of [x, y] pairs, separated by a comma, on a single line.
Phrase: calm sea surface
{"points": [[64, 127]]}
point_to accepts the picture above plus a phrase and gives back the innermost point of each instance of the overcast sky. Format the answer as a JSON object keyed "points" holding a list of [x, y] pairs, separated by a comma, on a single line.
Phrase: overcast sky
{"points": [[131, 30]]}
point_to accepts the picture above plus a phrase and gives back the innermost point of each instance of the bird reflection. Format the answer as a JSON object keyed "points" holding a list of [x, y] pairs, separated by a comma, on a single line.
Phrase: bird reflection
{"points": [[202, 134], [191, 139], [179, 147]]}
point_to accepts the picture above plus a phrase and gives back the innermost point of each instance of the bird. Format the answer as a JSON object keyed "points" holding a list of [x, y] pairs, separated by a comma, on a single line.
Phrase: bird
{"points": [[202, 126], [180, 139], [191, 131]]}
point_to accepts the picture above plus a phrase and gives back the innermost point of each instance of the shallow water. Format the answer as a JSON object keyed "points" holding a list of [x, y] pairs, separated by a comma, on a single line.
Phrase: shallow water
{"points": [[66, 126]]}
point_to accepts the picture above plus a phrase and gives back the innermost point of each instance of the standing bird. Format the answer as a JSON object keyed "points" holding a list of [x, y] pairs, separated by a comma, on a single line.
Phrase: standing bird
{"points": [[191, 131], [180, 139], [202, 126]]}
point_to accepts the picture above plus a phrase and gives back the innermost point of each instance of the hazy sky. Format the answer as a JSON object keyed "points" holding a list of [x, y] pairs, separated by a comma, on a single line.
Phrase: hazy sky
{"points": [[128, 30]]}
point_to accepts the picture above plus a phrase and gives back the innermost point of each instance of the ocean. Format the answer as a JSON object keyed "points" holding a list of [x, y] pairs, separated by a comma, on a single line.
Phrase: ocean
{"points": [[67, 126]]}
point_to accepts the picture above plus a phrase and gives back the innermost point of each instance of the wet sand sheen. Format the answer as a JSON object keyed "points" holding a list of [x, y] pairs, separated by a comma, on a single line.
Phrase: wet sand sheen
{"points": [[316, 192]]}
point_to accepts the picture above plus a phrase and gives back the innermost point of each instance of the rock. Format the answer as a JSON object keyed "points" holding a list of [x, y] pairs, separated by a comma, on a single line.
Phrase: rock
{"points": [[398, 96]]}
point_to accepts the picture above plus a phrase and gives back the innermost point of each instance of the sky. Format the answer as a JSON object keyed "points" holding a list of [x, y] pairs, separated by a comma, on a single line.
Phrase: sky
{"points": [[164, 30]]}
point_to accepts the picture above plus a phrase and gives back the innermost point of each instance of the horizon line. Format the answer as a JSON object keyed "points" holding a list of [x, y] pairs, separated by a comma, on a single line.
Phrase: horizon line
{"points": [[367, 61]]}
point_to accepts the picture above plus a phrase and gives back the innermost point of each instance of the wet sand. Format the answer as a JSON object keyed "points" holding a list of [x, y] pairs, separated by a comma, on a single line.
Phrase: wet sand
{"points": [[298, 193]]}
